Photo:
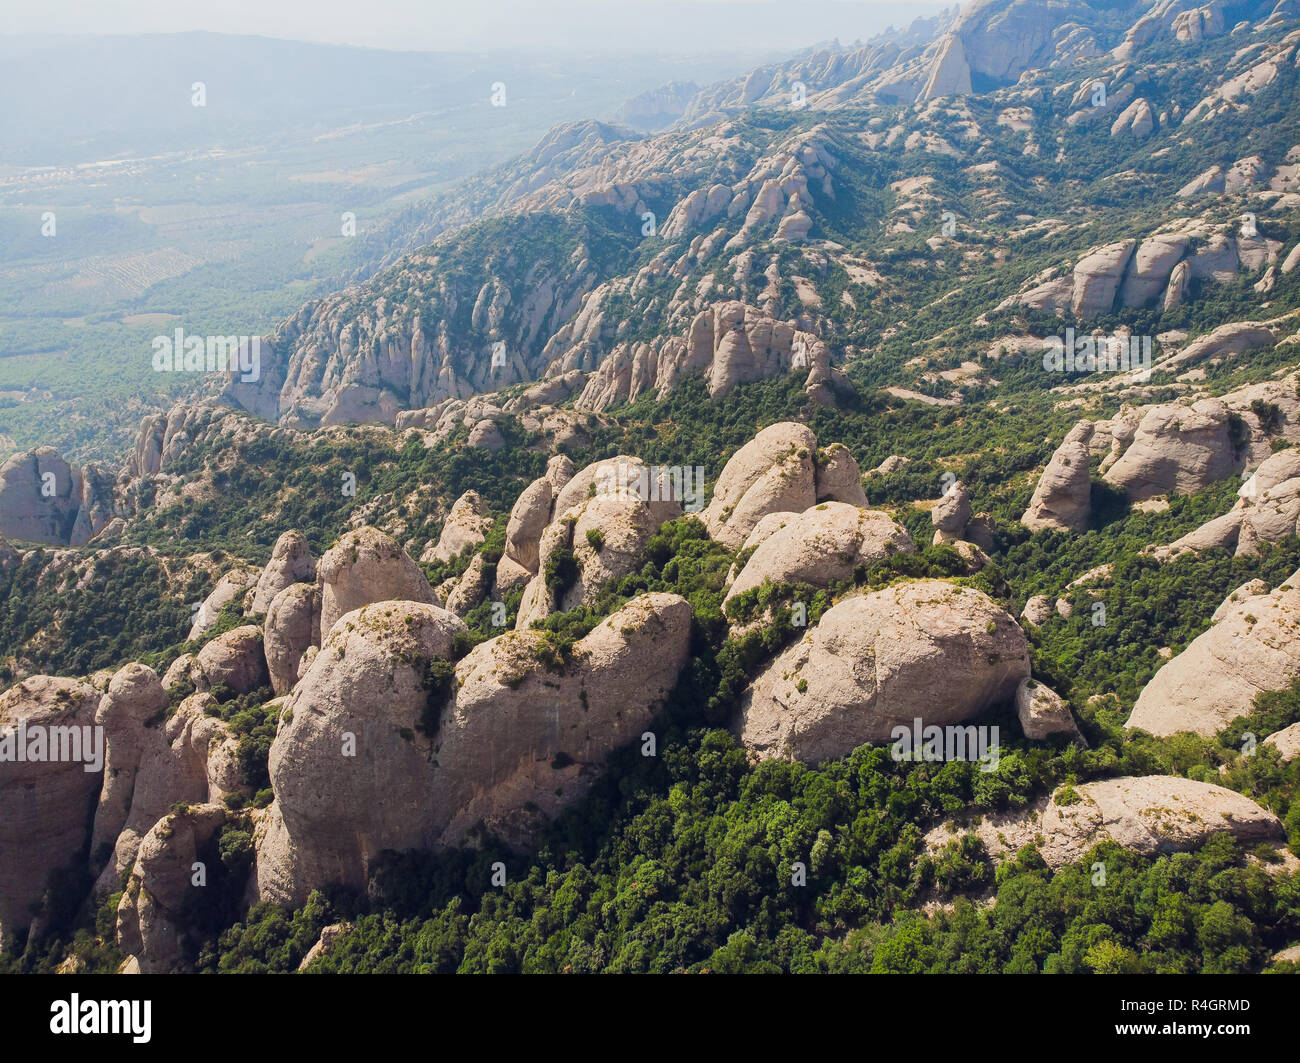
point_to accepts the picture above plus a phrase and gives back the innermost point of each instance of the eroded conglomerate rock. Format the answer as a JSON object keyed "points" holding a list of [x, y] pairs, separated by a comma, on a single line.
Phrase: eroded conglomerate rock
{"points": [[291, 561], [350, 765], [151, 915], [1269, 503], [467, 526], [366, 566], [48, 500], [528, 519], [772, 473], [1176, 449], [471, 589], [1042, 712], [1037, 610], [820, 546], [604, 517], [521, 740], [951, 513], [1150, 814], [1062, 499], [45, 805], [235, 660], [292, 624], [231, 587], [520, 734], [1287, 742], [143, 776], [1253, 646], [838, 477], [925, 650]]}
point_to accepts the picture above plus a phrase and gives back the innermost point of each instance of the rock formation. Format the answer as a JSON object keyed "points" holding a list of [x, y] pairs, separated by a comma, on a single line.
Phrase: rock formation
{"points": [[923, 650], [1151, 814], [44, 804], [1062, 499], [515, 739], [822, 545], [1251, 647], [366, 566]]}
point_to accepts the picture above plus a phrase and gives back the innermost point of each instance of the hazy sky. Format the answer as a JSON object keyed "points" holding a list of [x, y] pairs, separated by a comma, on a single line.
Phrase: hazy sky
{"points": [[677, 26]]}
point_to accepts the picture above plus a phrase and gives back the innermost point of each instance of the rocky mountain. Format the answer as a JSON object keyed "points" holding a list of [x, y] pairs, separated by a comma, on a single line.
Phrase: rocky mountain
{"points": [[879, 473]]}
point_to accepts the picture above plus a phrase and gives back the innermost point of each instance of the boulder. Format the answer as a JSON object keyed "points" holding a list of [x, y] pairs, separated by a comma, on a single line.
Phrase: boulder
{"points": [[471, 589], [1177, 449], [520, 734], [821, 546], [292, 624], [1249, 649], [206, 749], [142, 775], [838, 477], [466, 527], [1286, 741], [44, 804], [1152, 268], [1038, 610], [528, 519], [1270, 516], [232, 587], [363, 567], [510, 576], [774, 472], [1176, 290], [1043, 713], [235, 660], [523, 738], [329, 937], [151, 915], [291, 561], [1151, 814], [350, 763], [924, 650], [892, 464], [1221, 533], [607, 535], [623, 478], [1226, 341], [1097, 276], [486, 435], [1062, 499], [951, 513], [1136, 119]]}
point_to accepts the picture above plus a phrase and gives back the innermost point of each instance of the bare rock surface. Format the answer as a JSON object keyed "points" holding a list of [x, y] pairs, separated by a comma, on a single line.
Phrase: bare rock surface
{"points": [[1042, 712], [1151, 814], [772, 473], [44, 805], [234, 659], [822, 545], [1251, 647], [466, 526], [291, 561], [232, 587], [151, 913], [1176, 449], [924, 650], [142, 775], [519, 735], [366, 566], [1062, 498], [292, 624]]}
